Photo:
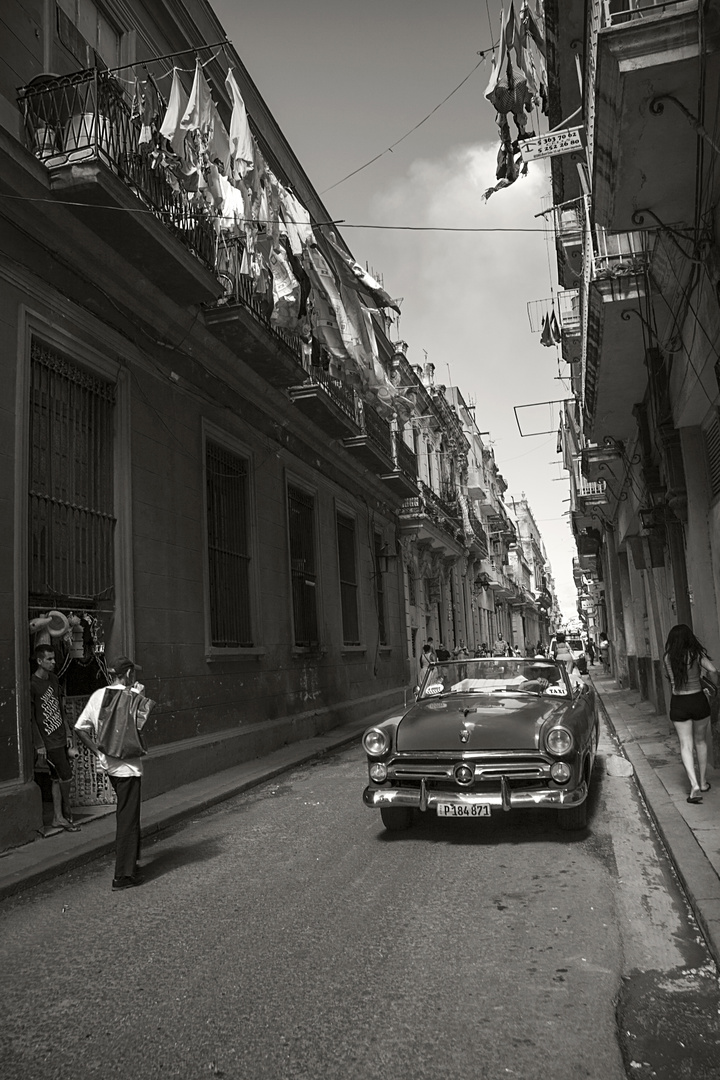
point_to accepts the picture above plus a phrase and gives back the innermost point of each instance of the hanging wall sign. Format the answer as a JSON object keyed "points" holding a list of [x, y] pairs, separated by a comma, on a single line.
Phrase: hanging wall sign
{"points": [[553, 144]]}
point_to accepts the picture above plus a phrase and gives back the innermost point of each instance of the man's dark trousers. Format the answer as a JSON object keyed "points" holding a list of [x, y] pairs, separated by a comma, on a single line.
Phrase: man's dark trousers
{"points": [[127, 836]]}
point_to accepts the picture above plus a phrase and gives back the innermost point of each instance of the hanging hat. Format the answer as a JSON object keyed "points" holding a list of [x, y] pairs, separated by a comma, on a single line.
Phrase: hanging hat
{"points": [[58, 624]]}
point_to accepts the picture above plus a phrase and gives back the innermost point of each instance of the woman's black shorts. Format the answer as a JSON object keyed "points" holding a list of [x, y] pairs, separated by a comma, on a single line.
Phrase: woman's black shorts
{"points": [[689, 707]]}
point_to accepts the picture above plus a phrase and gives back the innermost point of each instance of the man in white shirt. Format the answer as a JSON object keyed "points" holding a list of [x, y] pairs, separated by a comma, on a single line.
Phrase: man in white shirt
{"points": [[125, 775]]}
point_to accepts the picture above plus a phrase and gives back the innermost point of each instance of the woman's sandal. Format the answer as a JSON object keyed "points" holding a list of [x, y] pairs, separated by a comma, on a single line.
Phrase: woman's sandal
{"points": [[695, 796], [707, 787]]}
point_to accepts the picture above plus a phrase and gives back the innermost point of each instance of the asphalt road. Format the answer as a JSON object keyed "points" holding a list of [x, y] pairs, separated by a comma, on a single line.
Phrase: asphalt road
{"points": [[284, 934]]}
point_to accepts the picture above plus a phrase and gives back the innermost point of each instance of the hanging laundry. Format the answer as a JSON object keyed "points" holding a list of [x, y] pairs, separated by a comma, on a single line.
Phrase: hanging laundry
{"points": [[199, 114], [219, 142], [555, 328], [330, 322], [241, 144], [177, 105], [546, 336], [296, 220], [286, 292], [360, 279], [507, 89]]}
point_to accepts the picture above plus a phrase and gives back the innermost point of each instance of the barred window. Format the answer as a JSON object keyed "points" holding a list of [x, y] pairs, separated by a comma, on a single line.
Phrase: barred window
{"points": [[228, 542], [71, 498], [301, 526], [712, 453], [380, 591], [412, 590], [348, 580]]}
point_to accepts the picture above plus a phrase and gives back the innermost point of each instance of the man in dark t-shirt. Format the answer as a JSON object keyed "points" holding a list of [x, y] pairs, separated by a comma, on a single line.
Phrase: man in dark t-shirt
{"points": [[52, 735]]}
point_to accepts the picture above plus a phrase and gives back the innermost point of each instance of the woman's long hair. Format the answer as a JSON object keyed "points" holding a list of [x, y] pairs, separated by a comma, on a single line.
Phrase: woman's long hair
{"points": [[682, 649]]}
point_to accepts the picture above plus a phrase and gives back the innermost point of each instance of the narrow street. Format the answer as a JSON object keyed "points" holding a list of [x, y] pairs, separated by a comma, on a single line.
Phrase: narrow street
{"points": [[286, 935]]}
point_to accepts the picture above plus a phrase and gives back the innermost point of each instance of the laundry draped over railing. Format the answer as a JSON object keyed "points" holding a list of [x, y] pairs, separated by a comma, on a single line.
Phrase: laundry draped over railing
{"points": [[317, 294]]}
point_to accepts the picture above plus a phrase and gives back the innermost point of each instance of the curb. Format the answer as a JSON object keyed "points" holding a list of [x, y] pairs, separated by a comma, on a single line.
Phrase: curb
{"points": [[696, 874], [23, 868]]}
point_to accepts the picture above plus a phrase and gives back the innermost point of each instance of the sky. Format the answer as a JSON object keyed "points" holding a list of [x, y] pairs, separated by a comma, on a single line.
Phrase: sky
{"points": [[345, 82]]}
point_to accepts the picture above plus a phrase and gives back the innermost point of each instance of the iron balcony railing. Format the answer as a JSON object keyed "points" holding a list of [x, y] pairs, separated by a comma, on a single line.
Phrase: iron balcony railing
{"points": [[239, 289], [87, 116], [405, 459], [376, 429], [569, 311], [341, 395], [618, 12]]}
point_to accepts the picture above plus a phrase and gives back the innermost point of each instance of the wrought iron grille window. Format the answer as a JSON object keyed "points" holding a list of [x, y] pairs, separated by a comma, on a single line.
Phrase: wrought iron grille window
{"points": [[380, 591], [301, 526], [348, 579], [226, 477], [71, 498]]}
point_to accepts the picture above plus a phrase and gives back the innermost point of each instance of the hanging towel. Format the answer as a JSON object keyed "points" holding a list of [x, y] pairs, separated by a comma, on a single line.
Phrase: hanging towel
{"points": [[241, 144], [554, 328], [546, 337], [198, 115], [175, 111]]}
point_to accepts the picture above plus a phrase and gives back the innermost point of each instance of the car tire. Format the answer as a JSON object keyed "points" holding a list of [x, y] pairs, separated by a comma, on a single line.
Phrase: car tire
{"points": [[574, 818], [396, 818]]}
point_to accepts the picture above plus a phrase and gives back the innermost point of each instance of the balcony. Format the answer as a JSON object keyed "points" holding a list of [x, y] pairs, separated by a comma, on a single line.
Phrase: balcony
{"points": [[80, 127], [428, 519], [403, 478], [373, 446], [569, 219], [614, 373], [637, 52], [328, 403], [241, 320]]}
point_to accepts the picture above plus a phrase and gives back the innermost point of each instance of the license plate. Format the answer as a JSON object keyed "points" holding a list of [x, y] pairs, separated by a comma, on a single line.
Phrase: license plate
{"points": [[448, 809]]}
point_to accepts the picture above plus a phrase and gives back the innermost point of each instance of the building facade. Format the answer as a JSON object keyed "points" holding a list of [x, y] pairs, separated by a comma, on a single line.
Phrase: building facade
{"points": [[637, 241]]}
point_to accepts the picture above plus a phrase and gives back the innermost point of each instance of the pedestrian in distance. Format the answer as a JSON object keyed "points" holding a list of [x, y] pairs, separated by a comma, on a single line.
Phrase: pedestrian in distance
{"points": [[109, 726], [431, 643], [686, 661], [590, 650], [560, 651], [52, 735], [500, 646], [604, 649], [425, 659]]}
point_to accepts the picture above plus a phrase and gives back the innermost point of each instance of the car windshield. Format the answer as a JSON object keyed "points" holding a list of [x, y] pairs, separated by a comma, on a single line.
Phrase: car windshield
{"points": [[575, 643], [497, 675]]}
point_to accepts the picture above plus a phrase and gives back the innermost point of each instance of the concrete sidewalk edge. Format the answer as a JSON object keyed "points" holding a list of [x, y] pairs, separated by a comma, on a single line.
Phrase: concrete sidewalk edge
{"points": [[24, 867], [695, 872]]}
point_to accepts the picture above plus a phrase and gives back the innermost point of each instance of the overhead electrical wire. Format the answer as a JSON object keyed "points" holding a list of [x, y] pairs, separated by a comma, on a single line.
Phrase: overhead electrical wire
{"points": [[482, 54], [315, 224]]}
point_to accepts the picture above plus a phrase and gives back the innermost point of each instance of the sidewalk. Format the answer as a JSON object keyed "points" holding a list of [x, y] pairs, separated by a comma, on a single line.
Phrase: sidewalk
{"points": [[691, 833]]}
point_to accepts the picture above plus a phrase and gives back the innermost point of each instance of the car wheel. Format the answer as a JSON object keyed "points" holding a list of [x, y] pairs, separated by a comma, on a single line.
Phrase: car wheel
{"points": [[396, 818], [573, 818]]}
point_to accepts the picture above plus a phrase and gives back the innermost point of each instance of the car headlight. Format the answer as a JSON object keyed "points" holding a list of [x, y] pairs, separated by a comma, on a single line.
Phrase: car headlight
{"points": [[376, 742], [378, 772], [559, 741]]}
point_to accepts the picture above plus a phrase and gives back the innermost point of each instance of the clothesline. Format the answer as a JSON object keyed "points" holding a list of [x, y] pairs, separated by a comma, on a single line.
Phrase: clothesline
{"points": [[315, 224]]}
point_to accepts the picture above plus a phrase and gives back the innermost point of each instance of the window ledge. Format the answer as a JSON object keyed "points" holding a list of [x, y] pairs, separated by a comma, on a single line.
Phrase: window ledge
{"points": [[353, 648], [214, 656]]}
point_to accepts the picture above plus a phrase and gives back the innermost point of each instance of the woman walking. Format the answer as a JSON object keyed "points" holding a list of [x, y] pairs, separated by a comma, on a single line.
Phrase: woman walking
{"points": [[685, 661]]}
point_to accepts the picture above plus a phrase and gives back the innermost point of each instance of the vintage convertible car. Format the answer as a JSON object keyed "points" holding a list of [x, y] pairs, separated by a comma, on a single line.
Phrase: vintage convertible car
{"points": [[486, 735]]}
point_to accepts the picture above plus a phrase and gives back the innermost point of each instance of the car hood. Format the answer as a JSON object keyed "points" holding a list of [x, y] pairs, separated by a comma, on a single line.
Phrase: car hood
{"points": [[492, 722]]}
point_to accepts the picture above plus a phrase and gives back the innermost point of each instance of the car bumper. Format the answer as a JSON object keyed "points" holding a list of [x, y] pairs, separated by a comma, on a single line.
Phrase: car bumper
{"points": [[506, 798]]}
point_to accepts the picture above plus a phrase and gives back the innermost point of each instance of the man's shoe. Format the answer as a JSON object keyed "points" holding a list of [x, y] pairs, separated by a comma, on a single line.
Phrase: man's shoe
{"points": [[126, 882]]}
